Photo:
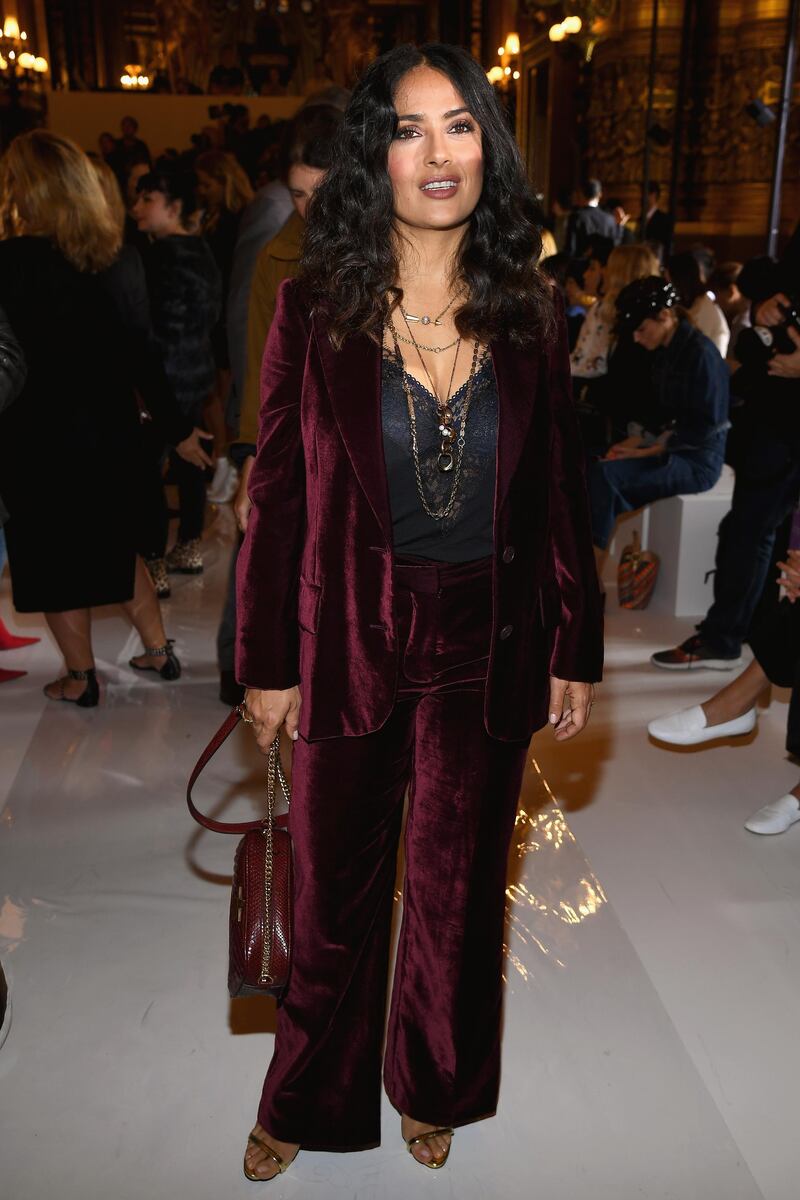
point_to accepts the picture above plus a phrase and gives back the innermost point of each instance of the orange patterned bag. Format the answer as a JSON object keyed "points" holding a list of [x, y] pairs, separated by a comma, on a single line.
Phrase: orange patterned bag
{"points": [[636, 575]]}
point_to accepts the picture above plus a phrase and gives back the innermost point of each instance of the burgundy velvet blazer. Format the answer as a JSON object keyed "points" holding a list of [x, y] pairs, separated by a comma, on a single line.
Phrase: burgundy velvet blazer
{"points": [[315, 581]]}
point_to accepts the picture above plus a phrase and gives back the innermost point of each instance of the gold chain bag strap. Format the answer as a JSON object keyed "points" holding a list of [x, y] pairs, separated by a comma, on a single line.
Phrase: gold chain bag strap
{"points": [[260, 925]]}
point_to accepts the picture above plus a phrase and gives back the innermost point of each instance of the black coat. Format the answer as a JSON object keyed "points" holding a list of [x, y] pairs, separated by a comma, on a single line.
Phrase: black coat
{"points": [[583, 223], [67, 445], [185, 304], [12, 374], [126, 286]]}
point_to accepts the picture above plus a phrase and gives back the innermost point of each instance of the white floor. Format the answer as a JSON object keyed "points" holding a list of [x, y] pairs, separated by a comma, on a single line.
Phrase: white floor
{"points": [[651, 1044]]}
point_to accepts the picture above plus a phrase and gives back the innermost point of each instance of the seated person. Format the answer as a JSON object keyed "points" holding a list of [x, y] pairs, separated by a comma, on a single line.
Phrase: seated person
{"points": [[606, 279], [683, 448], [684, 272], [774, 637], [567, 275]]}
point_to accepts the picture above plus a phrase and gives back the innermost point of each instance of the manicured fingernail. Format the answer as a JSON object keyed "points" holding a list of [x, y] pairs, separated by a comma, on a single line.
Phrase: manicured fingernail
{"points": [[553, 719], [294, 736]]}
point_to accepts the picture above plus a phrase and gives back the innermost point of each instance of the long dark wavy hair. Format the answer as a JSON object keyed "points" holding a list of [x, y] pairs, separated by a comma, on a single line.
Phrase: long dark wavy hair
{"points": [[349, 264]]}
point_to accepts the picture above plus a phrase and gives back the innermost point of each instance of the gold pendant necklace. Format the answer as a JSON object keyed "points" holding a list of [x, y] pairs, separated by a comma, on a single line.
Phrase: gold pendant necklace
{"points": [[427, 320], [445, 458]]}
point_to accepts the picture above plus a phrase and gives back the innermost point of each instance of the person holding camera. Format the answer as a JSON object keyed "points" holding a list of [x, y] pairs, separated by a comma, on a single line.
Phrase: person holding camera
{"points": [[765, 454]]}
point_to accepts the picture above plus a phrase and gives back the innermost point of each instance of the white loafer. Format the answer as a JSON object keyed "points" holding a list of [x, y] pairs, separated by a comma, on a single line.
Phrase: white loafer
{"points": [[776, 817], [688, 727]]}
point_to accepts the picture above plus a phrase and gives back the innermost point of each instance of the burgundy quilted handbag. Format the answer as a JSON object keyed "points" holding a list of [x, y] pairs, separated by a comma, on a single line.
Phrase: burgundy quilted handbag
{"points": [[261, 898]]}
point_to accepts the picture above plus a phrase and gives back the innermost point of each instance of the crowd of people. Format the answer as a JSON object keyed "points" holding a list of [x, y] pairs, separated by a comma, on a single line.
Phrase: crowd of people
{"points": [[173, 269], [679, 365], [136, 296]]}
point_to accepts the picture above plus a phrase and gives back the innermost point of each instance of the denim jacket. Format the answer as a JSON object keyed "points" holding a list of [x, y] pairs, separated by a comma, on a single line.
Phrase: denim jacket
{"points": [[692, 392]]}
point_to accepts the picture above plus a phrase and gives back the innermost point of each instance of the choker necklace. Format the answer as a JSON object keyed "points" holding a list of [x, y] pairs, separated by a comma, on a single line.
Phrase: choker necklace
{"points": [[427, 320]]}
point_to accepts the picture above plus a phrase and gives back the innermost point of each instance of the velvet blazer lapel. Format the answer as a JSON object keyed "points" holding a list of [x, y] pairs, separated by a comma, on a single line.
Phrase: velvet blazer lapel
{"points": [[353, 379]]}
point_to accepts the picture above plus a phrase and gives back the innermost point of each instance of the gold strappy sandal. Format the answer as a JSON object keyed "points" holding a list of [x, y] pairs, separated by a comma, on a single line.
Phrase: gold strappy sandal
{"points": [[434, 1163], [271, 1153]]}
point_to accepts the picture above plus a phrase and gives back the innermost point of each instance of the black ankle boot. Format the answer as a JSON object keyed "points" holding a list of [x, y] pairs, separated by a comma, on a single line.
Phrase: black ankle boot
{"points": [[171, 668]]}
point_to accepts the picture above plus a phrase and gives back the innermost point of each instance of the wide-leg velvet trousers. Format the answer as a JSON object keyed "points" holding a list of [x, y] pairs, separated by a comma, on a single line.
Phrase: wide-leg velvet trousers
{"points": [[442, 1055]]}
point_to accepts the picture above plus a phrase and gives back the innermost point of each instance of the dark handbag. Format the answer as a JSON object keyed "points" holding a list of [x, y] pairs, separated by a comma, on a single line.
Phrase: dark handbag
{"points": [[260, 937]]}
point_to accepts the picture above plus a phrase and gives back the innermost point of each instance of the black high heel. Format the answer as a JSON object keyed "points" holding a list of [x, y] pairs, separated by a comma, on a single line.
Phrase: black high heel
{"points": [[171, 668], [89, 697]]}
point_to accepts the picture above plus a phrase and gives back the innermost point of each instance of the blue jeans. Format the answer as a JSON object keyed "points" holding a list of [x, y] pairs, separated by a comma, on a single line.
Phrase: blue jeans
{"points": [[627, 483]]}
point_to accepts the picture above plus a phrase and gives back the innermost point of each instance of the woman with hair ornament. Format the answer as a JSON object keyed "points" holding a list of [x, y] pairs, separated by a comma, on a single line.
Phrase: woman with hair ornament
{"points": [[417, 596]]}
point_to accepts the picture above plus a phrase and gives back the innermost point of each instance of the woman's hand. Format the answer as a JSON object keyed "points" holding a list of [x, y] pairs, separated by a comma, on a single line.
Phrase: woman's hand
{"points": [[270, 710], [570, 705], [787, 366], [770, 312], [241, 501], [632, 448], [191, 450], [790, 575]]}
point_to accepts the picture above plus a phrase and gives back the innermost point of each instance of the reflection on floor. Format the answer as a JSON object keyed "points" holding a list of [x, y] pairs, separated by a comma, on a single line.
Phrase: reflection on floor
{"points": [[653, 962]]}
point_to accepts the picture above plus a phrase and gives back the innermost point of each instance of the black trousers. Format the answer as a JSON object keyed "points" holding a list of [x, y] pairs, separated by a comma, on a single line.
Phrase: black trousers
{"points": [[765, 492]]}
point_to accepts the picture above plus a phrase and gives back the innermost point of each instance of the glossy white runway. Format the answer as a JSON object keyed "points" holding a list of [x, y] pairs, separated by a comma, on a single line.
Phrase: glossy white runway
{"points": [[651, 1044]]}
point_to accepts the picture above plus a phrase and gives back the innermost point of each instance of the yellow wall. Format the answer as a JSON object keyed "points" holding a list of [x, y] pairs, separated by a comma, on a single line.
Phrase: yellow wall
{"points": [[163, 120]]}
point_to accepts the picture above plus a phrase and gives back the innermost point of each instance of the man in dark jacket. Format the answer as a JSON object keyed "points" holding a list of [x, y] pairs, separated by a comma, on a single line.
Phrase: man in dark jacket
{"points": [[683, 448], [767, 465], [588, 218]]}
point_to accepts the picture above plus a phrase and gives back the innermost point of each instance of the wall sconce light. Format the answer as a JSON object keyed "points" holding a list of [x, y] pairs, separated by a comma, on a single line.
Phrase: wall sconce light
{"points": [[506, 70]]}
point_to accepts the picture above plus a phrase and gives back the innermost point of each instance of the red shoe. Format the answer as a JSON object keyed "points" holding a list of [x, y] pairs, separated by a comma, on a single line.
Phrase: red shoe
{"points": [[7, 676], [10, 641]]}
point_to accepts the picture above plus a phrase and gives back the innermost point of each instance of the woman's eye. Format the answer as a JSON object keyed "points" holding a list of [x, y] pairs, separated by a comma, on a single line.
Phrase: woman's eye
{"points": [[401, 133], [462, 127]]}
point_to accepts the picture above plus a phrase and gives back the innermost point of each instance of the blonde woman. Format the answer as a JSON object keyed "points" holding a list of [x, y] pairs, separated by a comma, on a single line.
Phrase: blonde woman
{"points": [[589, 359], [224, 192], [67, 444]]}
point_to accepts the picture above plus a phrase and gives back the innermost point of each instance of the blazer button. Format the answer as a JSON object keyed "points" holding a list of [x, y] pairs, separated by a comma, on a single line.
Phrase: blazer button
{"points": [[506, 632], [508, 554]]}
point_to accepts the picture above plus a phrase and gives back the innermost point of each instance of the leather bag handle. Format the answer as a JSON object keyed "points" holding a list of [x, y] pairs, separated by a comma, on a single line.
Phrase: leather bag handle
{"points": [[220, 737]]}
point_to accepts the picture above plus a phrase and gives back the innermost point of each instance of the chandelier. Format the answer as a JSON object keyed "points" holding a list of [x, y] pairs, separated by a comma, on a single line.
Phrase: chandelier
{"points": [[16, 58], [134, 78]]}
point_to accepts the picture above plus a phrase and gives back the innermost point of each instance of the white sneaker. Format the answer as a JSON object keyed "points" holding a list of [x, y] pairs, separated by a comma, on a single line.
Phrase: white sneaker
{"points": [[689, 728], [776, 817], [223, 486]]}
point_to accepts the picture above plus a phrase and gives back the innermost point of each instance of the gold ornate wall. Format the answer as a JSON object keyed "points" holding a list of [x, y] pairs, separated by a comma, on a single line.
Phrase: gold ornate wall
{"points": [[726, 161]]}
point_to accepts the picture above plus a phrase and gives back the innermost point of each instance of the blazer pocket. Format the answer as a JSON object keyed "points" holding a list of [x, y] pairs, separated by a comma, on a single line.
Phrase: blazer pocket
{"points": [[550, 603], [308, 601]]}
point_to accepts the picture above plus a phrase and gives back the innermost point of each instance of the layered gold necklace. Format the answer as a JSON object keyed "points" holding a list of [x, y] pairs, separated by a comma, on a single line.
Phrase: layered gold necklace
{"points": [[451, 449]]}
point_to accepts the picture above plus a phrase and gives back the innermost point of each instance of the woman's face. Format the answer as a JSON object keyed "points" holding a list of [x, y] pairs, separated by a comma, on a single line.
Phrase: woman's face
{"points": [[302, 183], [210, 191], [156, 215], [435, 160], [134, 175]]}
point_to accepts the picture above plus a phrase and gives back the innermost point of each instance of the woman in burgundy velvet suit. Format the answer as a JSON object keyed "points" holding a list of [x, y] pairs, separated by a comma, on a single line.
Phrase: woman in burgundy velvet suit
{"points": [[417, 596]]}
